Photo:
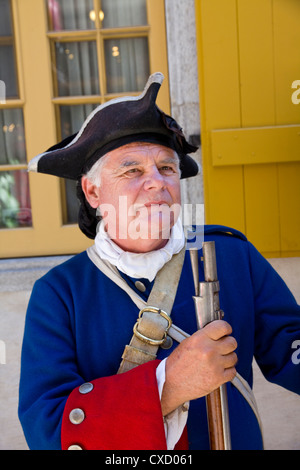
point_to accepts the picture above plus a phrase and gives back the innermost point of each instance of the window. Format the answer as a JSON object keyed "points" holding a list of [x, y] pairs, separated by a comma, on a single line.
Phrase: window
{"points": [[59, 59], [15, 207]]}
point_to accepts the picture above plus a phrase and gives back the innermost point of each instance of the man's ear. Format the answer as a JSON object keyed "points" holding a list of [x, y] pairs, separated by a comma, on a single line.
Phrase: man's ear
{"points": [[91, 192]]}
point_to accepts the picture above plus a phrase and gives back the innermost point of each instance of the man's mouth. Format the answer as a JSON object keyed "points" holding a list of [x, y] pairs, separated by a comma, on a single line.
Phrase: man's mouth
{"points": [[156, 203], [152, 208]]}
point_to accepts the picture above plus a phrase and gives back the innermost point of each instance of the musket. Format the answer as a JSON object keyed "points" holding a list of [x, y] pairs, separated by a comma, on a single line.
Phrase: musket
{"points": [[207, 308]]}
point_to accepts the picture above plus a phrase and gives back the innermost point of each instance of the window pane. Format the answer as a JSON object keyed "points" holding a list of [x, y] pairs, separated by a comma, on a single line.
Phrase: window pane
{"points": [[72, 118], [8, 68], [127, 64], [8, 72], [12, 138], [72, 203], [70, 14], [77, 68], [5, 18], [15, 207], [121, 13]]}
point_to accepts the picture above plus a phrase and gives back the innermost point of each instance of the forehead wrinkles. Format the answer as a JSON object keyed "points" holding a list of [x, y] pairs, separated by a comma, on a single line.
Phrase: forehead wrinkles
{"points": [[144, 158]]}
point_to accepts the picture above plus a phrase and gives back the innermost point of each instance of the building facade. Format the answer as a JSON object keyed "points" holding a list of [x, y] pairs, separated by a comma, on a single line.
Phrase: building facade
{"points": [[231, 73]]}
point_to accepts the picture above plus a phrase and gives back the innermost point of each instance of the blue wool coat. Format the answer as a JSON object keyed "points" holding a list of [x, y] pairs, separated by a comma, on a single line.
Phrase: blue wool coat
{"points": [[78, 322]]}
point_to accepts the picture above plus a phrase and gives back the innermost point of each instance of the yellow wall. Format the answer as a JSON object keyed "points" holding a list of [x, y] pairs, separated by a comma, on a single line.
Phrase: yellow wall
{"points": [[248, 60]]}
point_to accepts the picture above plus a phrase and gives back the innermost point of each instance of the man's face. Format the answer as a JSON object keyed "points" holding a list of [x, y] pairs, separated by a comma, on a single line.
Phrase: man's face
{"points": [[140, 183]]}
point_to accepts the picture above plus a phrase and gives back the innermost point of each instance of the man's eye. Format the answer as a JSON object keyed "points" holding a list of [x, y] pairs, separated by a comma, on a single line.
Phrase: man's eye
{"points": [[133, 172], [167, 169]]}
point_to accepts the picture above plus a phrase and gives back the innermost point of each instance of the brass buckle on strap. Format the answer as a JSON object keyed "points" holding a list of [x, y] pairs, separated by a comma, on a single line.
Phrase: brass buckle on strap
{"points": [[153, 342]]}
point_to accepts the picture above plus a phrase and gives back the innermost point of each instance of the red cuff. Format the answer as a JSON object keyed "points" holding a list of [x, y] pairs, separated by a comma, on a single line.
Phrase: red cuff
{"points": [[120, 412], [183, 443]]}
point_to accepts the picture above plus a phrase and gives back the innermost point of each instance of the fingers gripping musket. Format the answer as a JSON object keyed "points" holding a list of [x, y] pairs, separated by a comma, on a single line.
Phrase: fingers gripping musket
{"points": [[207, 307]]}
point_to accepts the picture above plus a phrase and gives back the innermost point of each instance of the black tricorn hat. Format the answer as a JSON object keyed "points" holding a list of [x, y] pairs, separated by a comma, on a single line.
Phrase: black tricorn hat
{"points": [[111, 125]]}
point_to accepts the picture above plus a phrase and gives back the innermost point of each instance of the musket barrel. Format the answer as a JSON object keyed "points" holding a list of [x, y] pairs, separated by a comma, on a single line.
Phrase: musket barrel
{"points": [[209, 261], [207, 309], [195, 269]]}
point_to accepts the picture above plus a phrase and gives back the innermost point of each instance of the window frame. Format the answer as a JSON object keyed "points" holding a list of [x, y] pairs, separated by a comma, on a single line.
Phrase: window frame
{"points": [[16, 102], [48, 234]]}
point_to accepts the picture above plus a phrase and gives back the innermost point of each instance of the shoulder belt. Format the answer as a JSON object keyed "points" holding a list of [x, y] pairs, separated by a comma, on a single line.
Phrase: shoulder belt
{"points": [[155, 326], [154, 320]]}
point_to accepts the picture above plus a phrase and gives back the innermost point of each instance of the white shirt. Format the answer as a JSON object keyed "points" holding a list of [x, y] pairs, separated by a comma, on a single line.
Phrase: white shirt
{"points": [[147, 265]]}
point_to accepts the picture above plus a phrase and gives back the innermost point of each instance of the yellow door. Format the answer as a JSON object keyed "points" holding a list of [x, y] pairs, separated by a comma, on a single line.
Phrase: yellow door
{"points": [[249, 71], [58, 60]]}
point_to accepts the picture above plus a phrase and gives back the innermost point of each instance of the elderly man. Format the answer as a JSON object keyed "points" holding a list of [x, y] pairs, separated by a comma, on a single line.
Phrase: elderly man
{"points": [[91, 376]]}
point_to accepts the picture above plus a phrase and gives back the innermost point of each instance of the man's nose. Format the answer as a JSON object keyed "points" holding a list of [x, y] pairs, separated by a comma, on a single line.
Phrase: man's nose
{"points": [[154, 179]]}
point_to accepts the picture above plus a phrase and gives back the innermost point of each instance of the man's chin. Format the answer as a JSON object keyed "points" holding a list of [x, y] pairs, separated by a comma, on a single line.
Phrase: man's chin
{"points": [[153, 228]]}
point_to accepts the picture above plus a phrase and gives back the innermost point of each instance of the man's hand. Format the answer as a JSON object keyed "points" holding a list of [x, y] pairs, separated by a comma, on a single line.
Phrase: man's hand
{"points": [[199, 365]]}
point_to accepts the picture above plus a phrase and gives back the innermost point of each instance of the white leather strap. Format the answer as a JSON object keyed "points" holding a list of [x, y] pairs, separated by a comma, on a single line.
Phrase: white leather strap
{"points": [[154, 319]]}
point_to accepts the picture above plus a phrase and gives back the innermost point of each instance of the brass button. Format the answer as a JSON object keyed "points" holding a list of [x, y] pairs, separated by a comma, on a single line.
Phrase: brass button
{"points": [[76, 416], [140, 286], [86, 388], [74, 447]]}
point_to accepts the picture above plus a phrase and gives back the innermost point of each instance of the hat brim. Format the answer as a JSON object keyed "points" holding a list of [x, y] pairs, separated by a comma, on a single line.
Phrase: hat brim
{"points": [[111, 125]]}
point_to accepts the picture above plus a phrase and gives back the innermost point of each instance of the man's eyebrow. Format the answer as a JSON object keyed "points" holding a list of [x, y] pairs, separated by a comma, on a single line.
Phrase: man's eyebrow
{"points": [[169, 160], [130, 163], [127, 163]]}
